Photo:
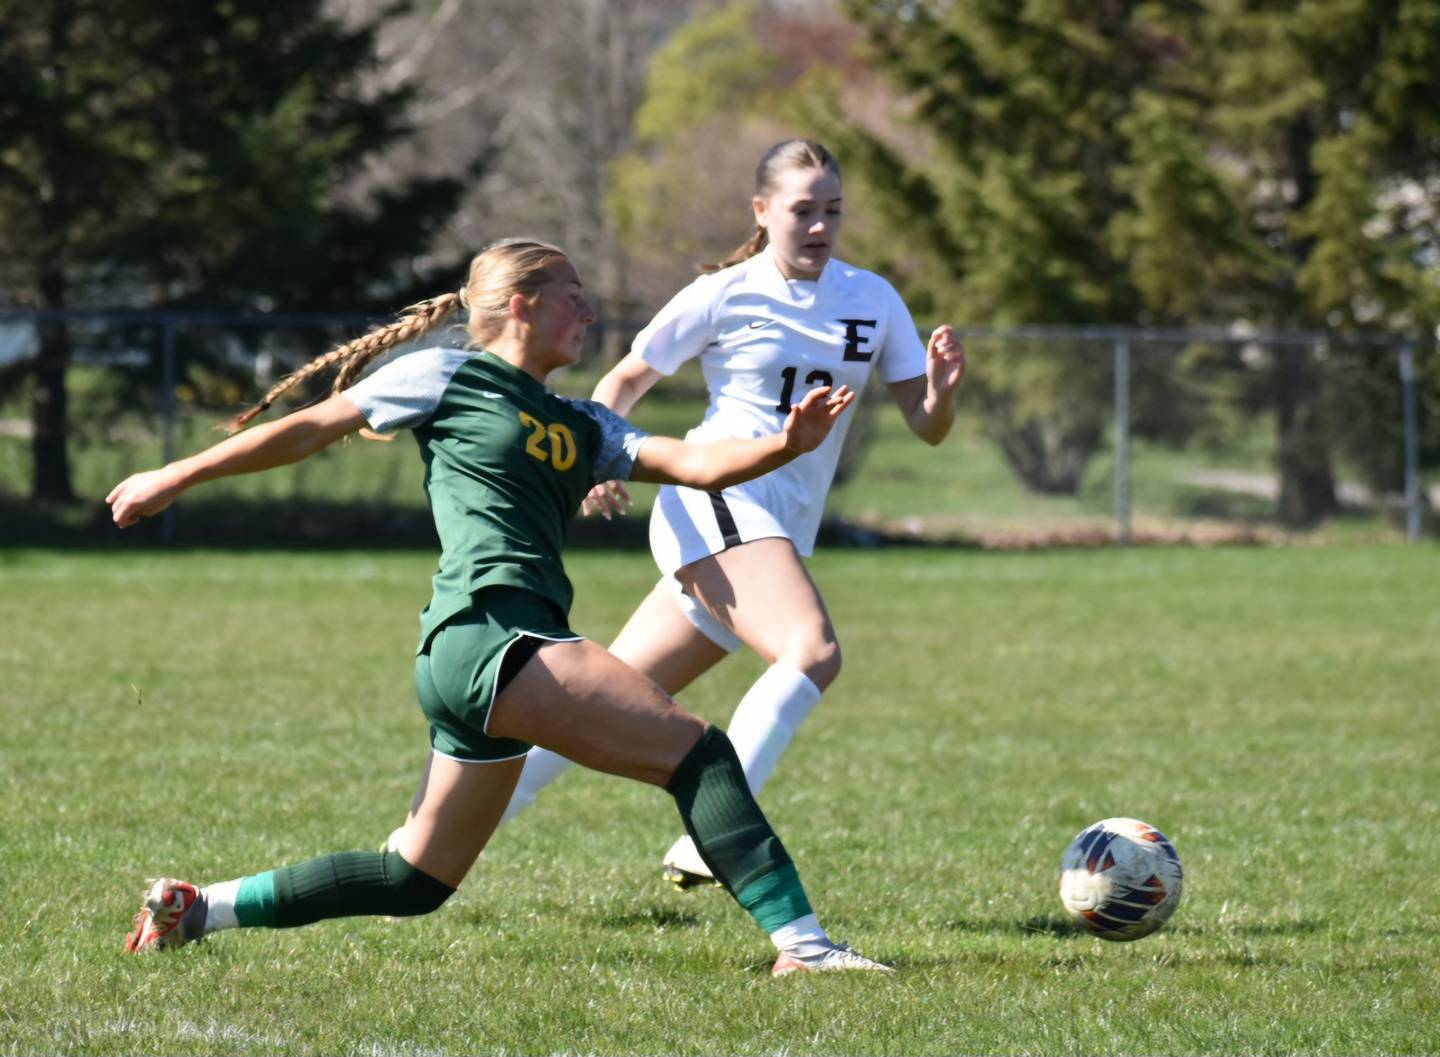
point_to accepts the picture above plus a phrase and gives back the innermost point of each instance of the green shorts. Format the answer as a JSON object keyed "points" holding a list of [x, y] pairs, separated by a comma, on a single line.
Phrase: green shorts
{"points": [[462, 667]]}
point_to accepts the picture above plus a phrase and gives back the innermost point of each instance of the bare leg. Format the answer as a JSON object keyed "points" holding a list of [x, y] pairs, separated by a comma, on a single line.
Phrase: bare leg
{"points": [[658, 641], [582, 702], [459, 806], [763, 592]]}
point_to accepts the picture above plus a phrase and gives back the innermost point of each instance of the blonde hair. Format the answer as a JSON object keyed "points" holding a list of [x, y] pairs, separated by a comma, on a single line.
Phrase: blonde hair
{"points": [[500, 271], [784, 156]]}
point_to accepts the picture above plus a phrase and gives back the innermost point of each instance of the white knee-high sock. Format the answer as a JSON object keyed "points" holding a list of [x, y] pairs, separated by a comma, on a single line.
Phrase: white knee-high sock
{"points": [[767, 718], [541, 768]]}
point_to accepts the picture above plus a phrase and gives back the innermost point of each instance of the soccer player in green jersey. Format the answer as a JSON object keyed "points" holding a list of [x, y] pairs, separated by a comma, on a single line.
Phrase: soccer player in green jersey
{"points": [[497, 668]]}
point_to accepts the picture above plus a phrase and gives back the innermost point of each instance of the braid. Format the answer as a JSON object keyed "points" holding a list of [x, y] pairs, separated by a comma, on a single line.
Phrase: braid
{"points": [[414, 322]]}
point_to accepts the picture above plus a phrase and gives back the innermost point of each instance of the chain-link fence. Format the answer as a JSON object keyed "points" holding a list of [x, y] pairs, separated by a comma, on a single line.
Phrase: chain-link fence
{"points": [[1105, 434]]}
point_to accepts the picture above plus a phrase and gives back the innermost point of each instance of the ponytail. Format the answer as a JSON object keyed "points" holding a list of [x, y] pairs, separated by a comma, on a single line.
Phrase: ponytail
{"points": [[743, 252]]}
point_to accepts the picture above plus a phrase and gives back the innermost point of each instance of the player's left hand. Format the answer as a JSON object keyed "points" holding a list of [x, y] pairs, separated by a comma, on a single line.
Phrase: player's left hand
{"points": [[945, 361], [608, 499]]}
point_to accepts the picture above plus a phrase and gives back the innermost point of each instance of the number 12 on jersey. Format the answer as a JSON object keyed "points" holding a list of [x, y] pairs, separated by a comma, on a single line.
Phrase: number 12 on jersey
{"points": [[813, 379]]}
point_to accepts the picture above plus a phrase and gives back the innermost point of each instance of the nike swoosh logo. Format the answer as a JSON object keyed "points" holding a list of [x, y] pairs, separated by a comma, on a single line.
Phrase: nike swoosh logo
{"points": [[492, 396], [756, 324]]}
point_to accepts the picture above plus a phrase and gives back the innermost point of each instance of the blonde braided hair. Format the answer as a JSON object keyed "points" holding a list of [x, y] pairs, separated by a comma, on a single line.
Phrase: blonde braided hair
{"points": [[500, 271]]}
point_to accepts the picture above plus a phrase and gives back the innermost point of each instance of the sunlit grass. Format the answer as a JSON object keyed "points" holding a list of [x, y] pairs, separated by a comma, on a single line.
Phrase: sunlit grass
{"points": [[212, 714]]}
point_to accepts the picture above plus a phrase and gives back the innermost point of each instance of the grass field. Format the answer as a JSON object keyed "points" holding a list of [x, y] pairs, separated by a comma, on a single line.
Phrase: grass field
{"points": [[210, 714]]}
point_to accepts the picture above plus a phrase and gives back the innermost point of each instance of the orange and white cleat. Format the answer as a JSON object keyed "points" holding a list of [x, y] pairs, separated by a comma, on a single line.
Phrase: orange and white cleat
{"points": [[172, 915], [832, 959]]}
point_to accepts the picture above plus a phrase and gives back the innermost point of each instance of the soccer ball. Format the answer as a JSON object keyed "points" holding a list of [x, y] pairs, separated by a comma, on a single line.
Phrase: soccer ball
{"points": [[1120, 879]]}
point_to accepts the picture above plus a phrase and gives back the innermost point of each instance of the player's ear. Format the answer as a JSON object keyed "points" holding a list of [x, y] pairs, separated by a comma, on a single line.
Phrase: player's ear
{"points": [[760, 206], [520, 308]]}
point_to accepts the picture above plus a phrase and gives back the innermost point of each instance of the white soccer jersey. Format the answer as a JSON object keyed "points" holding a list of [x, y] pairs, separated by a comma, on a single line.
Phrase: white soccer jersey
{"points": [[764, 341]]}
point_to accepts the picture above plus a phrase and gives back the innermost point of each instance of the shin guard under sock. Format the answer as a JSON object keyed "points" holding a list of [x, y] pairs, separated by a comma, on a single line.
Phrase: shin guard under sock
{"points": [[345, 884], [733, 836]]}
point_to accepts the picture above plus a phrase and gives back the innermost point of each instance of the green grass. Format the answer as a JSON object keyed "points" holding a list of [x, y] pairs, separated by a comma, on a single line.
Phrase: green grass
{"points": [[214, 713]]}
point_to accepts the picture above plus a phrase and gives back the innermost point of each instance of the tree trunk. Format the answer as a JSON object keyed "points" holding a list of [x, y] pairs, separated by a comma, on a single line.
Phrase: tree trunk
{"points": [[49, 405], [49, 413], [1307, 481]]}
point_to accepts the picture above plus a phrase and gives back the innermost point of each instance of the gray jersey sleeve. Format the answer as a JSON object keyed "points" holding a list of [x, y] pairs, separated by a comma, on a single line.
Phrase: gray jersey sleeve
{"points": [[619, 441], [405, 392]]}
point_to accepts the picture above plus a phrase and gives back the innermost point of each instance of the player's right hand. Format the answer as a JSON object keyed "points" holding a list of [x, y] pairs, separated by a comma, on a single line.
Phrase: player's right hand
{"points": [[809, 421], [141, 495], [608, 499]]}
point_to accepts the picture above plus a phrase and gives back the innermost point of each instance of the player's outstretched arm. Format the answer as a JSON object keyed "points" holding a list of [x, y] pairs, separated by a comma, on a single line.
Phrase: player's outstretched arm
{"points": [[620, 390], [718, 464], [277, 443], [928, 401]]}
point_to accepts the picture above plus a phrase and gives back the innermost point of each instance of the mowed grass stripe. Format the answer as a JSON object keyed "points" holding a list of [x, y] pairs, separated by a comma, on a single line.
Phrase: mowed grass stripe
{"points": [[214, 713]]}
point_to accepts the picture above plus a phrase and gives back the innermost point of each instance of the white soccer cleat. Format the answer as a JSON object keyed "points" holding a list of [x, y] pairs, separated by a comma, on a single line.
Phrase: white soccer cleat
{"points": [[838, 958], [172, 915], [684, 868]]}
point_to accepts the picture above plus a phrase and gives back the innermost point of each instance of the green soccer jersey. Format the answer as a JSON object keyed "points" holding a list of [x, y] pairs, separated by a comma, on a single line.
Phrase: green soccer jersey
{"points": [[507, 464]]}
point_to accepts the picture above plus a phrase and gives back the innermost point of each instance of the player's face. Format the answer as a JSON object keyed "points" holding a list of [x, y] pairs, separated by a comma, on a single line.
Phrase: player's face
{"points": [[559, 316], [802, 217]]}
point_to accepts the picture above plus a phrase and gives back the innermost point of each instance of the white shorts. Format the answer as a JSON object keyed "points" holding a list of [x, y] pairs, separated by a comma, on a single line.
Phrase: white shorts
{"points": [[687, 524], [704, 621]]}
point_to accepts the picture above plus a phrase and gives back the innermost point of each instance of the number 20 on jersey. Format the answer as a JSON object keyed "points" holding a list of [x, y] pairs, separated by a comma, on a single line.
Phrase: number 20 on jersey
{"points": [[561, 442]]}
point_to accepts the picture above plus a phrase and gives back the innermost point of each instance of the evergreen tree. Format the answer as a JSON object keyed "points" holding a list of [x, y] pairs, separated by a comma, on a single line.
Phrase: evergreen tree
{"points": [[1332, 108], [1056, 132], [1171, 162], [194, 155]]}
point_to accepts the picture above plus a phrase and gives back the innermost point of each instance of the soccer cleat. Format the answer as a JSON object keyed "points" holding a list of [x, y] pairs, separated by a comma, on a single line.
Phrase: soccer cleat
{"points": [[684, 868], [172, 915], [836, 958]]}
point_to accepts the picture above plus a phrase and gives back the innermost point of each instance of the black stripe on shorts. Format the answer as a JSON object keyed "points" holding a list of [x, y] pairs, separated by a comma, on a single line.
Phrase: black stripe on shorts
{"points": [[729, 534]]}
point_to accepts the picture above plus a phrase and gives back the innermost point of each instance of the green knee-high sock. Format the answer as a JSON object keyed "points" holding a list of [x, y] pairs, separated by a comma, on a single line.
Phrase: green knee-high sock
{"points": [[345, 884], [732, 834]]}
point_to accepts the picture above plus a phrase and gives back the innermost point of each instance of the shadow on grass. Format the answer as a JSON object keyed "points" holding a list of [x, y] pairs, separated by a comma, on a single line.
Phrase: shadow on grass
{"points": [[241, 524], [1062, 928], [1048, 924], [650, 917]]}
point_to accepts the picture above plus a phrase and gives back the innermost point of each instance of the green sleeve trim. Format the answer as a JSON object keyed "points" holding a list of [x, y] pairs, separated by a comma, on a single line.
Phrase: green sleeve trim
{"points": [[776, 899], [255, 902]]}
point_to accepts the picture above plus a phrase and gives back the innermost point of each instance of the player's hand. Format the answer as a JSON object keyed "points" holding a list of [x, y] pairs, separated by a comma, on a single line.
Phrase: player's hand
{"points": [[608, 499], [945, 361], [809, 421], [141, 495]]}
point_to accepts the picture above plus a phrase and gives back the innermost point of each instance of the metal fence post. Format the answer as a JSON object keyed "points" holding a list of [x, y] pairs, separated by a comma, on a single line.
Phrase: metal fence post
{"points": [[1412, 440], [1122, 440], [167, 396]]}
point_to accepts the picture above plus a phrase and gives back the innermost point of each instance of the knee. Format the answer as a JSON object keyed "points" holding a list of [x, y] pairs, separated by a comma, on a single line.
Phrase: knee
{"points": [[413, 892], [819, 657]]}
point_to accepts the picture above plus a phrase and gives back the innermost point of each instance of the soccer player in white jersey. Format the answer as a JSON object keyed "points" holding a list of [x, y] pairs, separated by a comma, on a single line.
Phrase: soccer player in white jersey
{"points": [[778, 317]]}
